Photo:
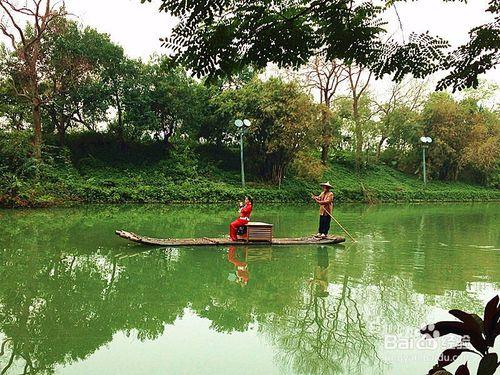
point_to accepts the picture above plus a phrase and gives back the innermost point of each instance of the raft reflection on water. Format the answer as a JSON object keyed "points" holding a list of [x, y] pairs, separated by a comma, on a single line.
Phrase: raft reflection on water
{"points": [[241, 275]]}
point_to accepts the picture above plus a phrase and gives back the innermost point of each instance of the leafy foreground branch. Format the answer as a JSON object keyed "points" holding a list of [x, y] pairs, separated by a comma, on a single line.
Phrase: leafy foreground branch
{"points": [[219, 37], [476, 332]]}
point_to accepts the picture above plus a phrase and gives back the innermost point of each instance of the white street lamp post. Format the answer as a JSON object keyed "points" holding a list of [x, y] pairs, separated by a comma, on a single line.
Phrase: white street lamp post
{"points": [[426, 141], [242, 126]]}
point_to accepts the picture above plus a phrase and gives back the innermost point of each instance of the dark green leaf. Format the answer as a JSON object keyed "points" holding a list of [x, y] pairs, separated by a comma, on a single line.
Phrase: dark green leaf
{"points": [[488, 364], [446, 327], [450, 355], [491, 319], [474, 326], [462, 370]]}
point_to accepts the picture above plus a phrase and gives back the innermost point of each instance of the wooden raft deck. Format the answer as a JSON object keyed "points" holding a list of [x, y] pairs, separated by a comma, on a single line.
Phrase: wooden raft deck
{"points": [[205, 241]]}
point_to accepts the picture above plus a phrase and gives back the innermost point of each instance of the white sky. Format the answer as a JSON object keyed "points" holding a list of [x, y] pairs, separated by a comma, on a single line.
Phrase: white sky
{"points": [[135, 26]]}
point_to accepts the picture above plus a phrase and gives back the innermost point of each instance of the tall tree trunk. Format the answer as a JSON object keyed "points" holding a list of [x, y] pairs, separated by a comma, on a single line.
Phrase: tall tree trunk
{"points": [[61, 134], [119, 130], [61, 128], [326, 132], [325, 149], [277, 173], [379, 147], [166, 141], [31, 60], [37, 127], [358, 132], [167, 133], [27, 48]]}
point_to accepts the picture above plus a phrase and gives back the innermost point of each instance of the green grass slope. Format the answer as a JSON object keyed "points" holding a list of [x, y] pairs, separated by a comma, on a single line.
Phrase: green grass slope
{"points": [[166, 183]]}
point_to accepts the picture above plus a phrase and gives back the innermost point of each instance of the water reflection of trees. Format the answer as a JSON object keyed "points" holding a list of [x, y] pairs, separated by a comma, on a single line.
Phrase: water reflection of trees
{"points": [[58, 308], [46, 296], [325, 332], [60, 302]]}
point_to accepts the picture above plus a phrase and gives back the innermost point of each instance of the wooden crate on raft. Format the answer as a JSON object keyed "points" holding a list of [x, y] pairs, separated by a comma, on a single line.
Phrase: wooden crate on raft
{"points": [[259, 232]]}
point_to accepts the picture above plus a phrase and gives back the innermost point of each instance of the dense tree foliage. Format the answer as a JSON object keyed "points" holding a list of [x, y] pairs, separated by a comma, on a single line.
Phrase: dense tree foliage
{"points": [[104, 114], [220, 37], [465, 134], [480, 54], [76, 63], [284, 123], [163, 100]]}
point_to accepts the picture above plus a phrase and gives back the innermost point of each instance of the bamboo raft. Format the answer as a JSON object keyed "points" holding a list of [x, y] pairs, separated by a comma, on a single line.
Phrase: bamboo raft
{"points": [[205, 241]]}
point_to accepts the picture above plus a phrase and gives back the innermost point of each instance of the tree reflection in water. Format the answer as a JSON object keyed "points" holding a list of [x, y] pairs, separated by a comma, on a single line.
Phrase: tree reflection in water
{"points": [[54, 308], [64, 295], [324, 333]]}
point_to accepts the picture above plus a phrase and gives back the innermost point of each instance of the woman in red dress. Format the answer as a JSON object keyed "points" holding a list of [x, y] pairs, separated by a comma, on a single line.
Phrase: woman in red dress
{"points": [[245, 212]]}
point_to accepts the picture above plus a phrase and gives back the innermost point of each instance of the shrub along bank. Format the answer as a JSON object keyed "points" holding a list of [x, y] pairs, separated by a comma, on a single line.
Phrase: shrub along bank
{"points": [[156, 183]]}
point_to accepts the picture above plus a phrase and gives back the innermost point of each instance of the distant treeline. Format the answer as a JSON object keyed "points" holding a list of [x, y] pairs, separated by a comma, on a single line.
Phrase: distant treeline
{"points": [[87, 85]]}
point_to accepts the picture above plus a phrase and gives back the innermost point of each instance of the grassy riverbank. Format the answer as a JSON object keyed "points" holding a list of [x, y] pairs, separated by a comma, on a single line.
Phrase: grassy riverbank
{"points": [[166, 183]]}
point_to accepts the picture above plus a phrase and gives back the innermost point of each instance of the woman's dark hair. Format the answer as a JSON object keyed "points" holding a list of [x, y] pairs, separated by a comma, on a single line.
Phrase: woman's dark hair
{"points": [[249, 198]]}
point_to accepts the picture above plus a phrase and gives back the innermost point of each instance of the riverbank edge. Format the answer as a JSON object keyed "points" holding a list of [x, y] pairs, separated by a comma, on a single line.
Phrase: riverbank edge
{"points": [[229, 193]]}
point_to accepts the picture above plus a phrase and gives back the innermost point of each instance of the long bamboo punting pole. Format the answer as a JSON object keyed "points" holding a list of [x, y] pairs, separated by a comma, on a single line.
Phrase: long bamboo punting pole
{"points": [[340, 225]]}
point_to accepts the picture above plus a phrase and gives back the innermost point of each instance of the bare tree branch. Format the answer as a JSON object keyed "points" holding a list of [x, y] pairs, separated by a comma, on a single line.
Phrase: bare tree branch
{"points": [[9, 35], [3, 5]]}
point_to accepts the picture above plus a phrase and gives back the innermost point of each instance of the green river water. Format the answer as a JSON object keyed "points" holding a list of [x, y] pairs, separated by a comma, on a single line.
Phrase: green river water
{"points": [[76, 299]]}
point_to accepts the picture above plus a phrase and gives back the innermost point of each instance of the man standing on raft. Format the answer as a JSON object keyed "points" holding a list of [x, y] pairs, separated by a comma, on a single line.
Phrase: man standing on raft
{"points": [[325, 201], [245, 212]]}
